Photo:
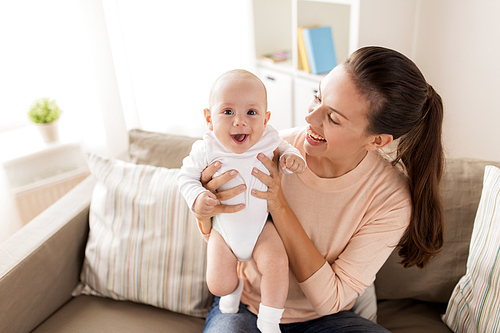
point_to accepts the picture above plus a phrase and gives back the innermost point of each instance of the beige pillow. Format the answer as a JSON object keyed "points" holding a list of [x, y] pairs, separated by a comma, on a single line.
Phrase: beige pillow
{"points": [[366, 304], [461, 188], [144, 244], [158, 149]]}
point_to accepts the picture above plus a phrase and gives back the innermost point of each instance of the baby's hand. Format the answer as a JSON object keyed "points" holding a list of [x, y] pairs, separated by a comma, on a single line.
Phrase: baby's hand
{"points": [[205, 203], [293, 163]]}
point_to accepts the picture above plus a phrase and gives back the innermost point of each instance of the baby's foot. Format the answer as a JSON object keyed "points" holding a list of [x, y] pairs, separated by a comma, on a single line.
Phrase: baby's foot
{"points": [[268, 320], [231, 303]]}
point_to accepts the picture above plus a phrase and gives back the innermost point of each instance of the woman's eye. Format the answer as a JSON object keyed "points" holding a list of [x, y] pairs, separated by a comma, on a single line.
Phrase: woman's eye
{"points": [[251, 112], [332, 121], [317, 99]]}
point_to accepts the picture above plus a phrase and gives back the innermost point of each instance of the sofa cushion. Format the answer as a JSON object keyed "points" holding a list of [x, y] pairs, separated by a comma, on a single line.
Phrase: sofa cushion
{"points": [[412, 316], [158, 149], [144, 243], [474, 304], [461, 188], [85, 314]]}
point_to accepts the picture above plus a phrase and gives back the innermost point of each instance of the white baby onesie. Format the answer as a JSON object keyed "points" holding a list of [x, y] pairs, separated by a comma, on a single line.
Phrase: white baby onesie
{"points": [[240, 230]]}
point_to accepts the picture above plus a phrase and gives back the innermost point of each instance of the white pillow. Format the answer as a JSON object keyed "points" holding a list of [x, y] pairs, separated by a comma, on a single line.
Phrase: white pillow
{"points": [[366, 304], [144, 244], [474, 305]]}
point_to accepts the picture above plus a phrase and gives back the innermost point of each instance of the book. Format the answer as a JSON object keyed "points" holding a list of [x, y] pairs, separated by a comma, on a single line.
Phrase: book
{"points": [[320, 49], [303, 64], [277, 56]]}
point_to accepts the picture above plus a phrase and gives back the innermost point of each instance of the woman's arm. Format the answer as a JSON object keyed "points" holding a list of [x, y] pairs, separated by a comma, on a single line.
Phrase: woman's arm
{"points": [[303, 256]]}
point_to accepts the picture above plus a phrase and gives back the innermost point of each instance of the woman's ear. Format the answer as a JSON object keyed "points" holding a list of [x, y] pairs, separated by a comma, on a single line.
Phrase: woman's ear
{"points": [[208, 118], [379, 141]]}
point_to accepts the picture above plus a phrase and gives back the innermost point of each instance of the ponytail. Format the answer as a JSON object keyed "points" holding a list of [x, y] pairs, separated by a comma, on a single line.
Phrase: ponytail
{"points": [[403, 105], [421, 154]]}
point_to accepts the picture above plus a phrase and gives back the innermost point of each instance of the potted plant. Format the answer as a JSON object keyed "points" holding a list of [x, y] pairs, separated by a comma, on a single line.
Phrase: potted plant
{"points": [[45, 113]]}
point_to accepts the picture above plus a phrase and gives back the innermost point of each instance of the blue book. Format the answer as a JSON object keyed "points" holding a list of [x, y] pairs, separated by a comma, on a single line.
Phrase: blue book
{"points": [[320, 49]]}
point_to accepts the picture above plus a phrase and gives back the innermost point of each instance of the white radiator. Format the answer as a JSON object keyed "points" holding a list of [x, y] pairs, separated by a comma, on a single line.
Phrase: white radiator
{"points": [[40, 179]]}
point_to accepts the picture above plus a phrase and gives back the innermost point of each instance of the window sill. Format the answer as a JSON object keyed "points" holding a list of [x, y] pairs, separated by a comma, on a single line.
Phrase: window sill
{"points": [[25, 141]]}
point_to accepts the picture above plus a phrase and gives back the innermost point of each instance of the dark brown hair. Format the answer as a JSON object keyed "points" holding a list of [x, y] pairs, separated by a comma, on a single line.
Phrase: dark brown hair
{"points": [[405, 106]]}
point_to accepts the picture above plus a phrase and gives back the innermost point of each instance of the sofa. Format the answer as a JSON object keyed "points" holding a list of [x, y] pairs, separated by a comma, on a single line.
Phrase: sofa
{"points": [[42, 265]]}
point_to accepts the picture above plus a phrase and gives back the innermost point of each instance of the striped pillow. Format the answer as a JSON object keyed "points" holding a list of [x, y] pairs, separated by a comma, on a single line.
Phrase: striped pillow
{"points": [[144, 244], [474, 305]]}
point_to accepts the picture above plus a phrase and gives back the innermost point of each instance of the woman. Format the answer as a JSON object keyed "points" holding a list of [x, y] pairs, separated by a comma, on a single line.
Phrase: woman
{"points": [[341, 218]]}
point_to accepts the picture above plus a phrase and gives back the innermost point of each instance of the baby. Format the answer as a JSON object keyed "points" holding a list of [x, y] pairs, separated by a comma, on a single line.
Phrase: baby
{"points": [[237, 120]]}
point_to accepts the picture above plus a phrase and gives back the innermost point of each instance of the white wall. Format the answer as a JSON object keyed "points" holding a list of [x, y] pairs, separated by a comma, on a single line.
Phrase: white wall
{"points": [[458, 50]]}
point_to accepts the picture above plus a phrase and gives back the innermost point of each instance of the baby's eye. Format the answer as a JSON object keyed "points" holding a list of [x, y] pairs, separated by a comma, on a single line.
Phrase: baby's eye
{"points": [[227, 111], [251, 112]]}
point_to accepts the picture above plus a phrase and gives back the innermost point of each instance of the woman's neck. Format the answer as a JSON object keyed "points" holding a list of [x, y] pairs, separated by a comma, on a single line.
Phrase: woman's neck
{"points": [[324, 167]]}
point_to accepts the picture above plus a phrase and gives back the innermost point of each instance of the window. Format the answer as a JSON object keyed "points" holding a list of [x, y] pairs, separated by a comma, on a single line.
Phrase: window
{"points": [[167, 54], [43, 52]]}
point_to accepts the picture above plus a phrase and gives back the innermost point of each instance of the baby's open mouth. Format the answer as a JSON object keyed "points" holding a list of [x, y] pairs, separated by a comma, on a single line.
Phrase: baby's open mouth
{"points": [[239, 137]]}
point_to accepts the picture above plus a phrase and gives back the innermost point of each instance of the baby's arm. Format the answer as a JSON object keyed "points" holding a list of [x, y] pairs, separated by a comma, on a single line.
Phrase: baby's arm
{"points": [[291, 161], [202, 208], [205, 203], [200, 200]]}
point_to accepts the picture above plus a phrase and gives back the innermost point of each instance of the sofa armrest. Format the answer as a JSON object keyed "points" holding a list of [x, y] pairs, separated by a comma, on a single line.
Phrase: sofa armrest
{"points": [[40, 264]]}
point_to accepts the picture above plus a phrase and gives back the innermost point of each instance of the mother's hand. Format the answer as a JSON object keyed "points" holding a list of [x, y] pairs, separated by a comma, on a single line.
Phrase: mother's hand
{"points": [[274, 194], [213, 184]]}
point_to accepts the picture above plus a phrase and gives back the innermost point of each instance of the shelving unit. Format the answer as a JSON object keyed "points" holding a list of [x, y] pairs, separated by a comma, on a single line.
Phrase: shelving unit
{"points": [[355, 23]]}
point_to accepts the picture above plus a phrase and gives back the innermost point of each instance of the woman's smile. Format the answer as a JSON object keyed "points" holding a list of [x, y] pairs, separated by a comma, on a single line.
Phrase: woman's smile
{"points": [[314, 138]]}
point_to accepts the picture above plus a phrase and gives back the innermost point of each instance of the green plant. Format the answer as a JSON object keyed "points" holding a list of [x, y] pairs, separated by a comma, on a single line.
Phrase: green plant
{"points": [[44, 110]]}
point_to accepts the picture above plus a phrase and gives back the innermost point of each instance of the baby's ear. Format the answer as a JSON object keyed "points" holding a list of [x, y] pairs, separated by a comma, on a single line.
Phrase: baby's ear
{"points": [[208, 118], [267, 117]]}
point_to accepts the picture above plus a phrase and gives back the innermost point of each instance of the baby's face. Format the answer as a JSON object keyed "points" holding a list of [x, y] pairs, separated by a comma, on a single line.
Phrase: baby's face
{"points": [[238, 116]]}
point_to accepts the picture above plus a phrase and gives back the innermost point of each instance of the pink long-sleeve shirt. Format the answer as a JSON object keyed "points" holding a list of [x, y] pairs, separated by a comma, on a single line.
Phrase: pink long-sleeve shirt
{"points": [[355, 221]]}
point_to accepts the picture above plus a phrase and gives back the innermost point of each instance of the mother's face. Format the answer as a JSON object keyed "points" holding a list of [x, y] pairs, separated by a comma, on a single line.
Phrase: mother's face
{"points": [[337, 120]]}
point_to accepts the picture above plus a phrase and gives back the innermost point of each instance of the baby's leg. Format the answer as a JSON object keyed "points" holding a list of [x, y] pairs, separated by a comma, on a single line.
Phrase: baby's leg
{"points": [[271, 259], [222, 276]]}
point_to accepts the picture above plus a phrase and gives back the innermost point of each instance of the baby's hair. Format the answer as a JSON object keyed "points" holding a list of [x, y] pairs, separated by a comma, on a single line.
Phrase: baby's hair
{"points": [[242, 73]]}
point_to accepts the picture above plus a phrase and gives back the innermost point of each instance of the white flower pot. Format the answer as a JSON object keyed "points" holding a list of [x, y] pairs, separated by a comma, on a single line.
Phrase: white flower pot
{"points": [[49, 131]]}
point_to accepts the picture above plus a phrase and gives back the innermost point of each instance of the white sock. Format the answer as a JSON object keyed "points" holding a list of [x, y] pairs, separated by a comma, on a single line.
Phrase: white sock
{"points": [[231, 303], [268, 319]]}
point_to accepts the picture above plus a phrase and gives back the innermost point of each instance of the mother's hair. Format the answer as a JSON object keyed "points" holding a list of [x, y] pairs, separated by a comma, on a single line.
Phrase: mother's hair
{"points": [[405, 106]]}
